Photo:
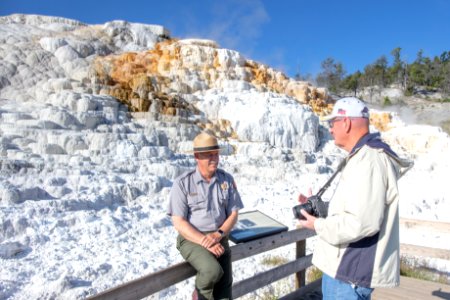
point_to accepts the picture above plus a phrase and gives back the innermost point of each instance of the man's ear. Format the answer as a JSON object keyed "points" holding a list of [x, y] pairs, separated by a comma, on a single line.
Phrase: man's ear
{"points": [[348, 125]]}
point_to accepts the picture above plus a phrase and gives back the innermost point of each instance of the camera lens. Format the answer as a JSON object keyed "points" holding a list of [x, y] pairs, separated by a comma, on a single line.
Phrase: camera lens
{"points": [[306, 206]]}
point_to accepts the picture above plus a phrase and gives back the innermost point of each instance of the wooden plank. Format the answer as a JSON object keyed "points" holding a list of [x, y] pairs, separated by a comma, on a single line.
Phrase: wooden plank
{"points": [[147, 285], [412, 288], [443, 227], [315, 286], [414, 250], [263, 279]]}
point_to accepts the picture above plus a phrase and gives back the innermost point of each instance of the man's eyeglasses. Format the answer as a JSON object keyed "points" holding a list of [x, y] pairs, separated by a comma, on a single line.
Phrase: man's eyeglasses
{"points": [[332, 121]]}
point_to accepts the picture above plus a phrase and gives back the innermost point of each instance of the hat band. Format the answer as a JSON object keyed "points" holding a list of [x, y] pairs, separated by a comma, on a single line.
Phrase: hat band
{"points": [[203, 149]]}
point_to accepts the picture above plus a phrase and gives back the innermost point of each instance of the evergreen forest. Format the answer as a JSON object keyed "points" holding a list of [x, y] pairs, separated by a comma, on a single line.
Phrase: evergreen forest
{"points": [[430, 74]]}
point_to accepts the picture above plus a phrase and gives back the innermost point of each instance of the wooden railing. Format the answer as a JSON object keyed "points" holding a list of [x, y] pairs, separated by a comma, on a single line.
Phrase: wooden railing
{"points": [[155, 282], [431, 228]]}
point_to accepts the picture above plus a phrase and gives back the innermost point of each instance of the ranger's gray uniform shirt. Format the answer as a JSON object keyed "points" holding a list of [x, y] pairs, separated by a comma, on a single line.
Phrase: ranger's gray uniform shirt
{"points": [[204, 205]]}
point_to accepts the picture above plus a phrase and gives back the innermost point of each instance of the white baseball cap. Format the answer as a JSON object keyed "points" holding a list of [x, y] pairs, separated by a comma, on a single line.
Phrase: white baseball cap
{"points": [[348, 107]]}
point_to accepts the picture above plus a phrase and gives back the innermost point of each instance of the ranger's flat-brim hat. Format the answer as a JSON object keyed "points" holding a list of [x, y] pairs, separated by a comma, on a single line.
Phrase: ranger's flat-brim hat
{"points": [[205, 142]]}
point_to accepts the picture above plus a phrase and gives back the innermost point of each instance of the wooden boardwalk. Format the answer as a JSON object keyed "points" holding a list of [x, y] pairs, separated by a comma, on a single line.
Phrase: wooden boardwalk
{"points": [[411, 289]]}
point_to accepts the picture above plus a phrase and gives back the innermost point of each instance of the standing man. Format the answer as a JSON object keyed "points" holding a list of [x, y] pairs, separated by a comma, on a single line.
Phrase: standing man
{"points": [[358, 242], [204, 206]]}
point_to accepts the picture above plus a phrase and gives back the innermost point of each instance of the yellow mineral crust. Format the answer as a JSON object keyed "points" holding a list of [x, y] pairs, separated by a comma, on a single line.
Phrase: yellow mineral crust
{"points": [[381, 120], [150, 79]]}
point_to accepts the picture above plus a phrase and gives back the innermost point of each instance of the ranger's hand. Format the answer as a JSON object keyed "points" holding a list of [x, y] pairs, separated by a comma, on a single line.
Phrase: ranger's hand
{"points": [[210, 239], [217, 250], [216, 235]]}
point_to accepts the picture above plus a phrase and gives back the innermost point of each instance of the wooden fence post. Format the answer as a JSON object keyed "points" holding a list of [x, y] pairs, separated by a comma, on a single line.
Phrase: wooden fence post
{"points": [[300, 251]]}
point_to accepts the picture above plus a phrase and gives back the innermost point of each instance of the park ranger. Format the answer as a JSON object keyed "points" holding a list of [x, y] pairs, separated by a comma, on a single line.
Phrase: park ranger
{"points": [[204, 206]]}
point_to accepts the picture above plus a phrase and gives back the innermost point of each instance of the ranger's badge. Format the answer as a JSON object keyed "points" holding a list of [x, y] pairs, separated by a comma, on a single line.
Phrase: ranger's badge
{"points": [[224, 186]]}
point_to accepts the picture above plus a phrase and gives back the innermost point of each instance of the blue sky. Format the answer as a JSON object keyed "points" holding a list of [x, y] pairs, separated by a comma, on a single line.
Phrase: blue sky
{"points": [[289, 35]]}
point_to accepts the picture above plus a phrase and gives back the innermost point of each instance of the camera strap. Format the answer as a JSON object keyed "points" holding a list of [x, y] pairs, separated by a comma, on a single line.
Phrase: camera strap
{"points": [[328, 183]]}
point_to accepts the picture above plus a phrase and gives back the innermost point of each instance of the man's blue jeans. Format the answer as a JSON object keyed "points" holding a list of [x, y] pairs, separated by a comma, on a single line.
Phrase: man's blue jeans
{"points": [[334, 289]]}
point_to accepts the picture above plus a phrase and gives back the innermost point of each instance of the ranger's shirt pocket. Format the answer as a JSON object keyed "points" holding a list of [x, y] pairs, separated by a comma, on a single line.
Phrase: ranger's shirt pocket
{"points": [[195, 202]]}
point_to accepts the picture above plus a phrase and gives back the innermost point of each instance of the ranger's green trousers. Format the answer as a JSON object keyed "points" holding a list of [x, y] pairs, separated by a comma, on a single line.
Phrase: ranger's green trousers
{"points": [[214, 275]]}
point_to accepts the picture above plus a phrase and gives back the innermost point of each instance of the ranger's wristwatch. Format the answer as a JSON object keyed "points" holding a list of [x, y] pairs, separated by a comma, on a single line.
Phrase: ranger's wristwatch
{"points": [[222, 234]]}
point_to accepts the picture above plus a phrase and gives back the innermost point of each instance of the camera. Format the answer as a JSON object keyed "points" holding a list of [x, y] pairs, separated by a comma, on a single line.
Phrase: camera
{"points": [[313, 206]]}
